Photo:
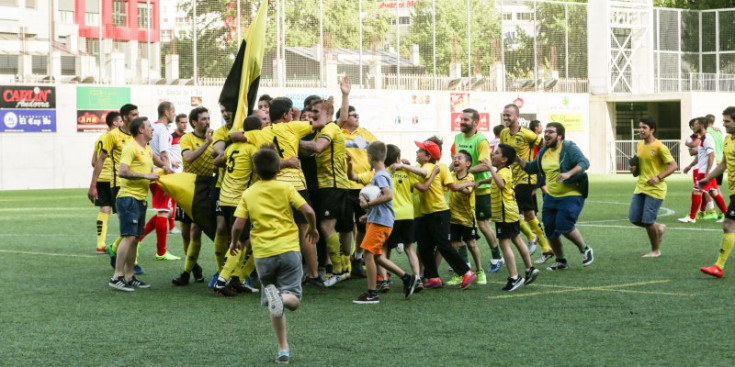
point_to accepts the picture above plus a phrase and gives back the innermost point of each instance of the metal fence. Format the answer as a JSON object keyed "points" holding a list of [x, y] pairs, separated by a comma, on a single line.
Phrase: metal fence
{"points": [[625, 149], [694, 50]]}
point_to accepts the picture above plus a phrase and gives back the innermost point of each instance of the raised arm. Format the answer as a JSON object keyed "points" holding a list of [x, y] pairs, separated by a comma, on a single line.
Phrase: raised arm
{"points": [[344, 109]]}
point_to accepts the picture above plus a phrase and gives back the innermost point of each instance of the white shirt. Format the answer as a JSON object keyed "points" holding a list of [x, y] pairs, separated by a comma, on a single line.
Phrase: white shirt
{"points": [[174, 155], [494, 144], [706, 147], [161, 141]]}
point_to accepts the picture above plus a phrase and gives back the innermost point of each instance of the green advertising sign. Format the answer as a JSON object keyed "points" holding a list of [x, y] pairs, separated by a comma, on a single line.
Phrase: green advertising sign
{"points": [[102, 98]]}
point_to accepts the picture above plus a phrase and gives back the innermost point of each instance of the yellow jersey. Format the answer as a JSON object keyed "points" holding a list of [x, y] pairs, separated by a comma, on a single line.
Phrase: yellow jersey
{"points": [[504, 208], [523, 142], [274, 231], [331, 163], [113, 143], [285, 136], [204, 164], [652, 160], [462, 205], [239, 173], [356, 143], [550, 165], [729, 157], [106, 173], [432, 200], [139, 160], [221, 134]]}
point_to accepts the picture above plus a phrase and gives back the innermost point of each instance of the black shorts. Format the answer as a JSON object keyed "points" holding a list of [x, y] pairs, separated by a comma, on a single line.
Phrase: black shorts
{"points": [[719, 179], [460, 233], [524, 197], [105, 195], [217, 207], [331, 204], [507, 230], [353, 212], [482, 207], [181, 215], [297, 216], [403, 232], [731, 209], [229, 213]]}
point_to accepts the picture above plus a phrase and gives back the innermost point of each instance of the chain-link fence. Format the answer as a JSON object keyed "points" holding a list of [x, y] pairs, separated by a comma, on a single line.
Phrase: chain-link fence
{"points": [[694, 50], [487, 45]]}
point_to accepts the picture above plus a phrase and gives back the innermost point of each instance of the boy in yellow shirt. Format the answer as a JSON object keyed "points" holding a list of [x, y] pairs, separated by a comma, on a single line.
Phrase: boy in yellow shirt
{"points": [[506, 216], [274, 239]]}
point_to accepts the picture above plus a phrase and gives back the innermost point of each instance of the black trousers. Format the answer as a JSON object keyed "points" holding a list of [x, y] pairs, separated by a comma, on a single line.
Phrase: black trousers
{"points": [[434, 236]]}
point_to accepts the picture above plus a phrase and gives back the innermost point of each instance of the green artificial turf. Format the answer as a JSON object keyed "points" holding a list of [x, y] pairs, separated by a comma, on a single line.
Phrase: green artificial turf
{"points": [[623, 310]]}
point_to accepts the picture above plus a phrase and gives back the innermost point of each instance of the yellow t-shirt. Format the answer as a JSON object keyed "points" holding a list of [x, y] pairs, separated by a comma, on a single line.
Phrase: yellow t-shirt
{"points": [[238, 173], [652, 160], [204, 164], [432, 200], [523, 142], [462, 205], [729, 157], [356, 143], [139, 160], [550, 165], [331, 163], [221, 134], [112, 144], [268, 206], [285, 136], [503, 207], [106, 173]]}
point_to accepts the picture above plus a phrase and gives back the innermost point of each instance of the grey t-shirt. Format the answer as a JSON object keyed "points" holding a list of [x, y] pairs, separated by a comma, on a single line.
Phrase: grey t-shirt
{"points": [[382, 214]]}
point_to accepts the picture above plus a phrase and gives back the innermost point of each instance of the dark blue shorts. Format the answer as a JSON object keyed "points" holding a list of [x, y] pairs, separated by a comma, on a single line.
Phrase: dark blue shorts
{"points": [[560, 214], [131, 213], [644, 209]]}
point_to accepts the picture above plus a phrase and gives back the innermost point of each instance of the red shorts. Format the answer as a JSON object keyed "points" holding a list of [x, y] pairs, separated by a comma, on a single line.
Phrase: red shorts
{"points": [[161, 201], [711, 184], [695, 174]]}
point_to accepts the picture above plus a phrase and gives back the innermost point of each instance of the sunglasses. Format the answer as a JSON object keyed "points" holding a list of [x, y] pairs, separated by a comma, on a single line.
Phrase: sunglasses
{"points": [[355, 115]]}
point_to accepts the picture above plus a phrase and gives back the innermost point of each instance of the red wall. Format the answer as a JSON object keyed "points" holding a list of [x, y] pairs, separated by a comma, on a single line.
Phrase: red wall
{"points": [[128, 33]]}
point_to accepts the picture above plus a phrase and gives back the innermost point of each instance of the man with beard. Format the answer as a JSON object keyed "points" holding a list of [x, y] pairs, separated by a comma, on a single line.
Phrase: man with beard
{"points": [[563, 165]]}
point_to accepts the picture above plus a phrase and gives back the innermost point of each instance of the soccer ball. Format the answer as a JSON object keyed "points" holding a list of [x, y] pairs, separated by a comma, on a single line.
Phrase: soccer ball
{"points": [[370, 193]]}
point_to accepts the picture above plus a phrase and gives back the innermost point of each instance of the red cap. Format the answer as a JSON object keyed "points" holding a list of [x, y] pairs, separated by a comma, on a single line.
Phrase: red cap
{"points": [[430, 147]]}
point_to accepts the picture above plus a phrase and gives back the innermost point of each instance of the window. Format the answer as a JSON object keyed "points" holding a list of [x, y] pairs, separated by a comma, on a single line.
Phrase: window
{"points": [[507, 16], [405, 20], [9, 64], [39, 64], [31, 4], [68, 65], [143, 15], [66, 17], [10, 3], [120, 13], [91, 19], [93, 46], [525, 16]]}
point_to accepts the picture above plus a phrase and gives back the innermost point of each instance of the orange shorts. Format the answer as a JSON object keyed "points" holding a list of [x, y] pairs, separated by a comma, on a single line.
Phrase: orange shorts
{"points": [[375, 237]]}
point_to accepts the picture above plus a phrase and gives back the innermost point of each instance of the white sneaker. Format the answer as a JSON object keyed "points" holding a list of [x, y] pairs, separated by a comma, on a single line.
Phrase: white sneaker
{"points": [[331, 281], [721, 220], [532, 248], [174, 230], [543, 257], [275, 302], [687, 220]]}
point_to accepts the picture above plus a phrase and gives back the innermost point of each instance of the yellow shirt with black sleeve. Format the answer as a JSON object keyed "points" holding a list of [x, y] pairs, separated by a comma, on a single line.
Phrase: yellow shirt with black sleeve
{"points": [[204, 164], [239, 174], [221, 134], [139, 160], [523, 142], [462, 205], [504, 207], [652, 160], [550, 165], [106, 173], [432, 200], [268, 206], [728, 154], [113, 143], [331, 163], [285, 136], [356, 143]]}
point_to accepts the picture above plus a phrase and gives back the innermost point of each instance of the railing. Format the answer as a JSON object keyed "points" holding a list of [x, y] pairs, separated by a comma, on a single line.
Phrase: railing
{"points": [[696, 82], [624, 149]]}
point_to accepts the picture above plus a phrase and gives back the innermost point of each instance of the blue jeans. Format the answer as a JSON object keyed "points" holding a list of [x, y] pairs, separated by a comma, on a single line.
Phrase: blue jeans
{"points": [[560, 214], [644, 209]]}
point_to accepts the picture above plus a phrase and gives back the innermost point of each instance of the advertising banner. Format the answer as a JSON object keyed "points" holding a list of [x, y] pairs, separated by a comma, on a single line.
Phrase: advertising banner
{"points": [[183, 98], [23, 96], [93, 103], [27, 120]]}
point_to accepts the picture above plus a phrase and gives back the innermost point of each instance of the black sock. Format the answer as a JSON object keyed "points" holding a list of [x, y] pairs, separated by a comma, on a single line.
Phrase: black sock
{"points": [[561, 260], [372, 293], [406, 278]]}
